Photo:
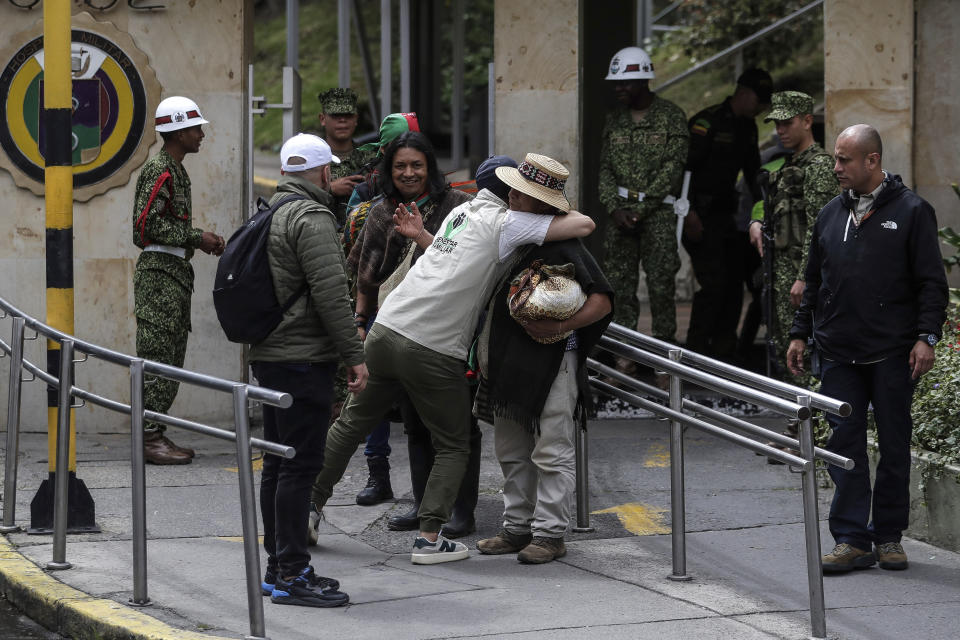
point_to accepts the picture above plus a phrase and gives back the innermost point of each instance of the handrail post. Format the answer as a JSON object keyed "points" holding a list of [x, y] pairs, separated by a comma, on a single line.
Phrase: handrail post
{"points": [[248, 513], [811, 528], [13, 428], [678, 521], [62, 472], [583, 476], [138, 486]]}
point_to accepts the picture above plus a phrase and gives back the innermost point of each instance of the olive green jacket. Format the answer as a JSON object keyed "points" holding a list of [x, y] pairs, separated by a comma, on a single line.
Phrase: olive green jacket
{"points": [[304, 247]]}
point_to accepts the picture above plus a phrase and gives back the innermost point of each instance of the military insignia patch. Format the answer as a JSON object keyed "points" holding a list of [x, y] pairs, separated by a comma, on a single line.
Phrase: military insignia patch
{"points": [[700, 127], [113, 87]]}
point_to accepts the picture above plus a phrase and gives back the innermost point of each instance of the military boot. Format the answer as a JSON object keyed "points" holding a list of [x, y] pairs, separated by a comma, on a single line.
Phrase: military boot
{"points": [[378, 484], [462, 521], [421, 461]]}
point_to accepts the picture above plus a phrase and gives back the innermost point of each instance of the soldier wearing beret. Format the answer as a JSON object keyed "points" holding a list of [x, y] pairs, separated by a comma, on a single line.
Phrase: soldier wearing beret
{"points": [[795, 194], [339, 121]]}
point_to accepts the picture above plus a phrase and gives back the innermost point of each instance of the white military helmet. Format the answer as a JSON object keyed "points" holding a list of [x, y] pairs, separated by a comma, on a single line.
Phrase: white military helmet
{"points": [[631, 63], [177, 112]]}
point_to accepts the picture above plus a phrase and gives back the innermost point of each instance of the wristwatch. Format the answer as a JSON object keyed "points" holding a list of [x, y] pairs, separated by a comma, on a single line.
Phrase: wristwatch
{"points": [[930, 338]]}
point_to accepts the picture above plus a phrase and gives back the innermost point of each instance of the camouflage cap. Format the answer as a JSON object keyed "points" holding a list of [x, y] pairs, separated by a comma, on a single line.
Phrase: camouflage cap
{"points": [[786, 104], [338, 100]]}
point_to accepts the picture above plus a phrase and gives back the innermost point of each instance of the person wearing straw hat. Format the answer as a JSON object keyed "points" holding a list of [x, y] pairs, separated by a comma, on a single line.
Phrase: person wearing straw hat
{"points": [[419, 343], [533, 378]]}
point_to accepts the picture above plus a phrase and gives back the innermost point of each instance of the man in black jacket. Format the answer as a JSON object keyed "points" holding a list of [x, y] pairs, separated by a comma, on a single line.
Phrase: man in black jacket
{"points": [[875, 302]]}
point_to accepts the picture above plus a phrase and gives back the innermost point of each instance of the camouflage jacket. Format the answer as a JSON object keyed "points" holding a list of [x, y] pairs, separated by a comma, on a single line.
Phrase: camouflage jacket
{"points": [[349, 165], [646, 156], [796, 193], [162, 215]]}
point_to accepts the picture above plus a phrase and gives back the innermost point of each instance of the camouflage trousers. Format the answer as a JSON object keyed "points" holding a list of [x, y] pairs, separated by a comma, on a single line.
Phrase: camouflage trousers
{"points": [[652, 244], [163, 323], [784, 275]]}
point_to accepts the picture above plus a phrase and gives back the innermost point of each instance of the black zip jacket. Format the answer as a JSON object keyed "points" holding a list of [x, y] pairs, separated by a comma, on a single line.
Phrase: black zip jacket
{"points": [[870, 291]]}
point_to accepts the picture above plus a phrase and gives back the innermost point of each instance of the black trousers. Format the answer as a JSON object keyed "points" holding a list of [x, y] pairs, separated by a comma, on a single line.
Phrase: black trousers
{"points": [[285, 484], [861, 515], [717, 262]]}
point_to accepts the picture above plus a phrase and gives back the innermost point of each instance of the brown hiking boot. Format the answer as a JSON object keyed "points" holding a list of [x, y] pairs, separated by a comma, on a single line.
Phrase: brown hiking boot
{"points": [[187, 451], [158, 450], [891, 556], [845, 557], [542, 550], [504, 542]]}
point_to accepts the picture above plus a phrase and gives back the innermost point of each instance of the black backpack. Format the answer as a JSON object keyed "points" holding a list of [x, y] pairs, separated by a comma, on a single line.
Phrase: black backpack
{"points": [[243, 292]]}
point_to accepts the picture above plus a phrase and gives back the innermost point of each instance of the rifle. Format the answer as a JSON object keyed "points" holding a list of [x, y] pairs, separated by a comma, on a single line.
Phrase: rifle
{"points": [[768, 229]]}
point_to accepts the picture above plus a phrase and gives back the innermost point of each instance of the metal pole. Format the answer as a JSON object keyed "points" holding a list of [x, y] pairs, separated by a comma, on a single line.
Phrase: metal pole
{"points": [[248, 513], [644, 21], [456, 98], [491, 105], [367, 65], [343, 43], [293, 33], [248, 165], [678, 521], [13, 429], [138, 486], [62, 472], [583, 476], [811, 528], [405, 55], [386, 58]]}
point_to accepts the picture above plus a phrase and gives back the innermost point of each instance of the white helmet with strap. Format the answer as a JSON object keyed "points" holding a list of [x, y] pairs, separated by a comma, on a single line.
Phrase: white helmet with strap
{"points": [[631, 63], [177, 112]]}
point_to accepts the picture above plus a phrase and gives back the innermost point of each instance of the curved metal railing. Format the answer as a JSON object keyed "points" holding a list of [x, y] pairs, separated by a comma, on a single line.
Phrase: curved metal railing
{"points": [[681, 365], [66, 390]]}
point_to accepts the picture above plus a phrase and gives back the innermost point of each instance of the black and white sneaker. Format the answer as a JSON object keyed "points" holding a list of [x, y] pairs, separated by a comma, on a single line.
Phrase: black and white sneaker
{"points": [[443, 550]]}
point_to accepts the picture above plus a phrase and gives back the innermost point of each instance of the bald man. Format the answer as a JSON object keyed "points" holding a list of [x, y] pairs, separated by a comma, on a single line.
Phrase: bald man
{"points": [[875, 302]]}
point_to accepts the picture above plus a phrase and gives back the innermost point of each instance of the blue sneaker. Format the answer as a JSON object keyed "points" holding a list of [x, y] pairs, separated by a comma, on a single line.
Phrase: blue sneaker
{"points": [[300, 592], [270, 578]]}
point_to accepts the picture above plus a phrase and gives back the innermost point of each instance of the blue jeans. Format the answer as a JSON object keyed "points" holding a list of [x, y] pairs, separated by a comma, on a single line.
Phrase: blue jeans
{"points": [[888, 387], [285, 484]]}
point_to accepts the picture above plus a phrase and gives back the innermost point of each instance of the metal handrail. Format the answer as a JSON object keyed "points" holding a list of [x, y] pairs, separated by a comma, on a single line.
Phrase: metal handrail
{"points": [[737, 46], [795, 402], [64, 382]]}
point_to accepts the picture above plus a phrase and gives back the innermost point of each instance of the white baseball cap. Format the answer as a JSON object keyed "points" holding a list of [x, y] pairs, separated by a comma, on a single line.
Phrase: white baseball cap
{"points": [[313, 150]]}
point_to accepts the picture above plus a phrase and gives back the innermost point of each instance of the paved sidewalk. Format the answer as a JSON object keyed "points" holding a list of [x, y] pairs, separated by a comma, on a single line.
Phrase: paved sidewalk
{"points": [[745, 551]]}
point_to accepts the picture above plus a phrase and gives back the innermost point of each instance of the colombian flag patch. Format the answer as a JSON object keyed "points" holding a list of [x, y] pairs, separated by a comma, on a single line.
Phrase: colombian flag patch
{"points": [[700, 127]]}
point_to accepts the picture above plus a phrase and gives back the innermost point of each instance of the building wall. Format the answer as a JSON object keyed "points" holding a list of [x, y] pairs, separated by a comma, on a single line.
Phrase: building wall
{"points": [[535, 70], [869, 75], [196, 49], [937, 110]]}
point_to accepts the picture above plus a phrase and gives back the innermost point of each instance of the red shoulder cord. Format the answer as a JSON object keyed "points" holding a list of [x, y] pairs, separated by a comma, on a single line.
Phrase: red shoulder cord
{"points": [[142, 218]]}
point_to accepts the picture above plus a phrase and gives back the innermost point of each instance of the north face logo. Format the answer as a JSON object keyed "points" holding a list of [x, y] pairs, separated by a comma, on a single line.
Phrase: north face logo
{"points": [[889, 224]]}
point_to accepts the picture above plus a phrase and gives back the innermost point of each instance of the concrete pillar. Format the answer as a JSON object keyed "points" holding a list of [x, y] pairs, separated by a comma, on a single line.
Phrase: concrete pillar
{"points": [[535, 70], [936, 163], [869, 76]]}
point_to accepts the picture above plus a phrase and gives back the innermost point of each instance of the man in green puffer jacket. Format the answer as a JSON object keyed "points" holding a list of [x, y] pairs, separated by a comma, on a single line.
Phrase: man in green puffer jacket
{"points": [[300, 357]]}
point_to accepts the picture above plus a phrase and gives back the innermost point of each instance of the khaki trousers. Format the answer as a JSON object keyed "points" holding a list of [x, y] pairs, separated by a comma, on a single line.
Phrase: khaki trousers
{"points": [[539, 470]]}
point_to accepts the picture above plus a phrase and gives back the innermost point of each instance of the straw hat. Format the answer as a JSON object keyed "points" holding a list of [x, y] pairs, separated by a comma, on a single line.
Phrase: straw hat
{"points": [[540, 177]]}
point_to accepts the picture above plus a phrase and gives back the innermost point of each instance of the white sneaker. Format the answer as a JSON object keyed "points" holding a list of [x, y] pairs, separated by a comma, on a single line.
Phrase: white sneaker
{"points": [[443, 550]]}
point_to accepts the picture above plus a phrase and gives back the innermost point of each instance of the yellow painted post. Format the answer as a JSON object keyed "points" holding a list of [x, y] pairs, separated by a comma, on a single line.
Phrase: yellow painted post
{"points": [[56, 119]]}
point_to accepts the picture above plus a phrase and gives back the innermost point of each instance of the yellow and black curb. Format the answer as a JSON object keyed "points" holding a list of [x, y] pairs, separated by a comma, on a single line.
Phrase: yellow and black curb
{"points": [[73, 613]]}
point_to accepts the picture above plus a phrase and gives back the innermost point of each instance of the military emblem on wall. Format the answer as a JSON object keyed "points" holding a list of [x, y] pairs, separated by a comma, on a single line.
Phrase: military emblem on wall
{"points": [[113, 91]]}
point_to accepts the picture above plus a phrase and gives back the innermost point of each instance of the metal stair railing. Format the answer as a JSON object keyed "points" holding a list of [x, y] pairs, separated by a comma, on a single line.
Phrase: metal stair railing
{"points": [[64, 382], [681, 365]]}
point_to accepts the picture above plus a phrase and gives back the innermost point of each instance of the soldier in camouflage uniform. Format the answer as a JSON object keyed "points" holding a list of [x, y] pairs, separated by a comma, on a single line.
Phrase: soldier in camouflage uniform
{"points": [[163, 278], [339, 121], [641, 163], [795, 194]]}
